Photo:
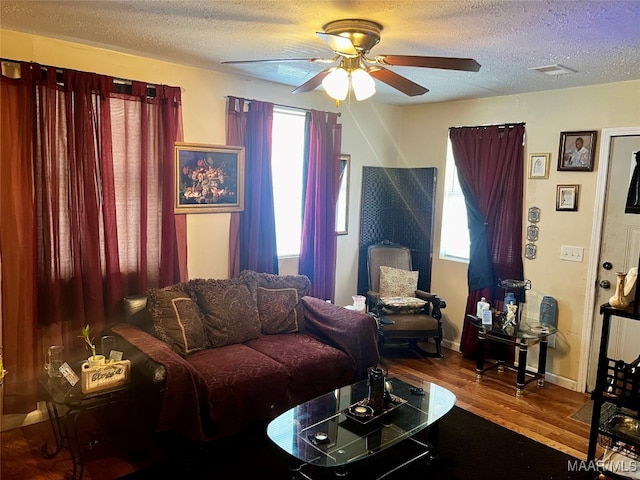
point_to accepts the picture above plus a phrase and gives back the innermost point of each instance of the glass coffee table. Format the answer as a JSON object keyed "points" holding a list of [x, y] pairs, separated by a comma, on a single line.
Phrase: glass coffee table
{"points": [[329, 432]]}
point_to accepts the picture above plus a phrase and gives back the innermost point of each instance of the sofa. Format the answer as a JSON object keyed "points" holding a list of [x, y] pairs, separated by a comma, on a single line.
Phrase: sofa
{"points": [[210, 357]]}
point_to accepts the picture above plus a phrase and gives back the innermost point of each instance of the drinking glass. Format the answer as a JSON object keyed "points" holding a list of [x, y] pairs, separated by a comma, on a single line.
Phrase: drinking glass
{"points": [[54, 360], [107, 342]]}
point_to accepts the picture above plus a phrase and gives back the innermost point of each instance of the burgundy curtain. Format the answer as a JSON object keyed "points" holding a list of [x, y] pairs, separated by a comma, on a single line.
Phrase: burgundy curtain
{"points": [[252, 233], [490, 167], [94, 220], [18, 244], [322, 182]]}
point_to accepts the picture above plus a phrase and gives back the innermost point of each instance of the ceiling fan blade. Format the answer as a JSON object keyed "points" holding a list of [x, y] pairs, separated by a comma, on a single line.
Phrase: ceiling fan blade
{"points": [[339, 44], [398, 82], [312, 60], [312, 83], [446, 63]]}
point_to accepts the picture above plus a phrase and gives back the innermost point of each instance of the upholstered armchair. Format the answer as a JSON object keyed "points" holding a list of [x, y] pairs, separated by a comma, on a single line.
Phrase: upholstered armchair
{"points": [[405, 314]]}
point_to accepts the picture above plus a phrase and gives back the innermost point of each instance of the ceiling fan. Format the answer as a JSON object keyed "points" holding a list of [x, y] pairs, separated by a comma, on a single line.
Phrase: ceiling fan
{"points": [[351, 41]]}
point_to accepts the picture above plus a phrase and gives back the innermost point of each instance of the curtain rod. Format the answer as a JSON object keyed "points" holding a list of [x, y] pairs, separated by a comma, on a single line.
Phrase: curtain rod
{"points": [[151, 88], [281, 105], [504, 125]]}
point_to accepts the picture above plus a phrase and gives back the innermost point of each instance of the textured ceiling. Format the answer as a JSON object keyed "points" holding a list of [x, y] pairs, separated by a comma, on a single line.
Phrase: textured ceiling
{"points": [[600, 40]]}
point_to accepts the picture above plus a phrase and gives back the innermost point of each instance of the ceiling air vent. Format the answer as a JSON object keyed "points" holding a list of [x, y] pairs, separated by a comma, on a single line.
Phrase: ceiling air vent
{"points": [[554, 70]]}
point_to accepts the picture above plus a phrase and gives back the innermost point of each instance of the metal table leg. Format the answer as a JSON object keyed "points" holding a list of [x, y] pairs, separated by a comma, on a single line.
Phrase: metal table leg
{"points": [[522, 368], [542, 361], [56, 428], [480, 356]]}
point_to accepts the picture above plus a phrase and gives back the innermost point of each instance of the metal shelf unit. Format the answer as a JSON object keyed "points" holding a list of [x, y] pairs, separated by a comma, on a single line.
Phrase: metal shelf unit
{"points": [[616, 400]]}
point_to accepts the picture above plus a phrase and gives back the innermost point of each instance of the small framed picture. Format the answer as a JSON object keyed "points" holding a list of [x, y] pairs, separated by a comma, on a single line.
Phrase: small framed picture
{"points": [[577, 151], [539, 165], [567, 198], [530, 251]]}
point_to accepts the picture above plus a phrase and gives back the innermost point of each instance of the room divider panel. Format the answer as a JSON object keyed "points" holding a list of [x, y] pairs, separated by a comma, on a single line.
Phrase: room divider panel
{"points": [[398, 205]]}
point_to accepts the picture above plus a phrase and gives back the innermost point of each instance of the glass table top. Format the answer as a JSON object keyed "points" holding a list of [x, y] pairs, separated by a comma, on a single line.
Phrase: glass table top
{"points": [[321, 432], [528, 329]]}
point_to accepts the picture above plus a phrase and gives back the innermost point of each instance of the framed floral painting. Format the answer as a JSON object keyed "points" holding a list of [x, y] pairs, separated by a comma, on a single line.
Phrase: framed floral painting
{"points": [[209, 178]]}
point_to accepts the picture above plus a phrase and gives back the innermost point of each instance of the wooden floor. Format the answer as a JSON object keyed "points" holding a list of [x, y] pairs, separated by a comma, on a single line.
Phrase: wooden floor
{"points": [[543, 414]]}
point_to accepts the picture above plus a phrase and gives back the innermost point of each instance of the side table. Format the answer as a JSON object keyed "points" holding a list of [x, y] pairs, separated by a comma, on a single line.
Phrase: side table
{"points": [[522, 336], [65, 405]]}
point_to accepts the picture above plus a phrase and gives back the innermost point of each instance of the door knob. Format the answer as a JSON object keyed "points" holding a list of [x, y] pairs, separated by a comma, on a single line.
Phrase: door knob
{"points": [[607, 265], [606, 284]]}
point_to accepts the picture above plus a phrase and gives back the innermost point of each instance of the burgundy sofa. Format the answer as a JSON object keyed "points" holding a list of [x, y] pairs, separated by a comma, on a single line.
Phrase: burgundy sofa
{"points": [[212, 356]]}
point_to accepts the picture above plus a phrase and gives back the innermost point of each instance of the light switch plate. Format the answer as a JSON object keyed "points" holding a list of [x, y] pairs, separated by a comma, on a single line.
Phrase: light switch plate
{"points": [[571, 254]]}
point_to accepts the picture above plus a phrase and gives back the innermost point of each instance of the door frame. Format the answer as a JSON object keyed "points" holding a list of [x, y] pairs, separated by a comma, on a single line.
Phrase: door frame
{"points": [[596, 239]]}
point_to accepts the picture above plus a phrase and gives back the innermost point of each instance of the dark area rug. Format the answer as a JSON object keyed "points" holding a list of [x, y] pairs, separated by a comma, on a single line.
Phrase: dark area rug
{"points": [[470, 447]]}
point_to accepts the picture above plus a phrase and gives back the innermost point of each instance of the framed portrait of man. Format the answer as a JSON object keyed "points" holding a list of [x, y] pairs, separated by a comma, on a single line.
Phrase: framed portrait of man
{"points": [[577, 151]]}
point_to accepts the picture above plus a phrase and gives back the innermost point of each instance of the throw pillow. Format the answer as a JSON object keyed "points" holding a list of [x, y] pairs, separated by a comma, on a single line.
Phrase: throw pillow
{"points": [[396, 282], [279, 307], [230, 310], [177, 320]]}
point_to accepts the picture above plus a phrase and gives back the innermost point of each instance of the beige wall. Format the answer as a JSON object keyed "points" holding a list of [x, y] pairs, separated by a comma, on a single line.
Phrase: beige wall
{"points": [[546, 114], [385, 135]]}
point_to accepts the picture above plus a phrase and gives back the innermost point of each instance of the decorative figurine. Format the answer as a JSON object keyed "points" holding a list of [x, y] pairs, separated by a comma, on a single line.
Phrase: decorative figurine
{"points": [[511, 313]]}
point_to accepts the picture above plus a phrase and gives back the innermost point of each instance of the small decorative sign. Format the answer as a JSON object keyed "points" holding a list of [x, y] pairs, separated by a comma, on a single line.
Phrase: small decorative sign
{"points": [[115, 355], [68, 373], [487, 318], [109, 375]]}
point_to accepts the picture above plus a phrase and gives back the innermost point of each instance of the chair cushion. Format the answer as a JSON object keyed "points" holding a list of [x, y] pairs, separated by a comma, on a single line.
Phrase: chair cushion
{"points": [[396, 282], [402, 304]]}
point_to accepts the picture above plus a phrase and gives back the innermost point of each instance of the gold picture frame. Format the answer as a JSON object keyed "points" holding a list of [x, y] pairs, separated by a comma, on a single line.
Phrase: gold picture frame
{"points": [[539, 165], [209, 178]]}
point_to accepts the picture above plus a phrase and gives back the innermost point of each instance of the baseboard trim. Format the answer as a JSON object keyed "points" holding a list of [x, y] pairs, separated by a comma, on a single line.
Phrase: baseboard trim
{"points": [[548, 376], [17, 420]]}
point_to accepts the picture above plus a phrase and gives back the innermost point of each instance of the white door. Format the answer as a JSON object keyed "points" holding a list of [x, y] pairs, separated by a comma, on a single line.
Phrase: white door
{"points": [[619, 251]]}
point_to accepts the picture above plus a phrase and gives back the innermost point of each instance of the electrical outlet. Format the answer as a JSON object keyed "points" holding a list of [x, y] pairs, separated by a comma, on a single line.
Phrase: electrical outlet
{"points": [[571, 254]]}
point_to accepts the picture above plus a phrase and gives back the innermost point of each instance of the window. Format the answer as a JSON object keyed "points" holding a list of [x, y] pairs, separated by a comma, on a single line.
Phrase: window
{"points": [[287, 157], [454, 240]]}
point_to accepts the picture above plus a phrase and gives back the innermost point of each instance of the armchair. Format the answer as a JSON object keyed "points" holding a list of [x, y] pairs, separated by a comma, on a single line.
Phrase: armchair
{"points": [[404, 312]]}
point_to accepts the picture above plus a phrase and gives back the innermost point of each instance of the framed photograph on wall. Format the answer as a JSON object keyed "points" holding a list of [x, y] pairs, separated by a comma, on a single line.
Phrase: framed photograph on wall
{"points": [[342, 208], [577, 151], [539, 165], [567, 198], [209, 178]]}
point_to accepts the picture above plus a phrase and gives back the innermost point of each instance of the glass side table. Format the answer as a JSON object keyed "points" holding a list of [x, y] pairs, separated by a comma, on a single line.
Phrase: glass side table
{"points": [[523, 335], [65, 405]]}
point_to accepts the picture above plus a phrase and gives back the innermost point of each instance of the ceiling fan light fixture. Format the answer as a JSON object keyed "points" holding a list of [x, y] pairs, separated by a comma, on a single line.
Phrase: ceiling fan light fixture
{"points": [[362, 84], [336, 84]]}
